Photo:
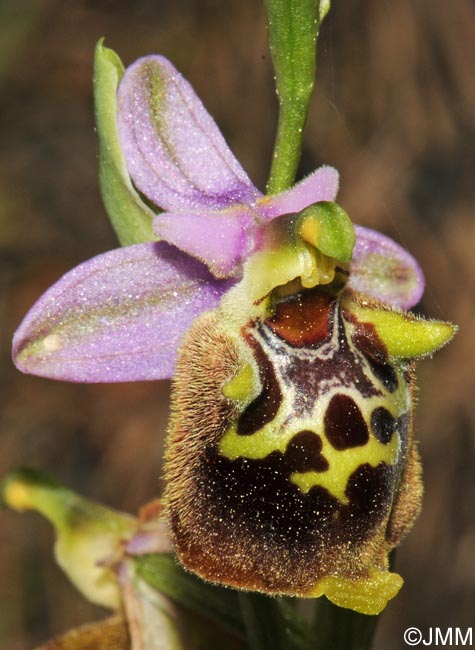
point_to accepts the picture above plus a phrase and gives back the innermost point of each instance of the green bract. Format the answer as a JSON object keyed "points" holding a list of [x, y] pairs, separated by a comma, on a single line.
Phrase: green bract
{"points": [[130, 216]]}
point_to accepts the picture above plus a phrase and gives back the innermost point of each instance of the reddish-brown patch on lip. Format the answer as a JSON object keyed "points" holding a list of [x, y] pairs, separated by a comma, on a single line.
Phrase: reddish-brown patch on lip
{"points": [[304, 319]]}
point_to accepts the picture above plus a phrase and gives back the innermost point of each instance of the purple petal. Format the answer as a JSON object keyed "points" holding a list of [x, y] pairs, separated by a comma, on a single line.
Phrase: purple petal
{"points": [[382, 269], [322, 185], [174, 151], [118, 317], [151, 539], [220, 239]]}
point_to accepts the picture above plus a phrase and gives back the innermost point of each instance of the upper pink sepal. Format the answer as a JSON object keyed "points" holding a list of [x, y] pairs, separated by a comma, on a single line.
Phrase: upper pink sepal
{"points": [[174, 151]]}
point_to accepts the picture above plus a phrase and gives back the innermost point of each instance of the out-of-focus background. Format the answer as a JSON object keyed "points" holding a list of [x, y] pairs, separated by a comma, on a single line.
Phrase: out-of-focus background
{"points": [[394, 112]]}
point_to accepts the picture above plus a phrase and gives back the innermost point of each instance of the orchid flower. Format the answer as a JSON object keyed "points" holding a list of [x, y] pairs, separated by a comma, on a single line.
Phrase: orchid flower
{"points": [[291, 466], [121, 316]]}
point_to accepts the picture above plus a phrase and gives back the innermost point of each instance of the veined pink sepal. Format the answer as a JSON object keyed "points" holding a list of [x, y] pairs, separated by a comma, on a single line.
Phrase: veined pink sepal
{"points": [[175, 153], [118, 317]]}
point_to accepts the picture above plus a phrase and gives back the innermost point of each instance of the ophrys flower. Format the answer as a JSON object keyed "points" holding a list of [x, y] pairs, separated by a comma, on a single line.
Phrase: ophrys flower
{"points": [[291, 466]]}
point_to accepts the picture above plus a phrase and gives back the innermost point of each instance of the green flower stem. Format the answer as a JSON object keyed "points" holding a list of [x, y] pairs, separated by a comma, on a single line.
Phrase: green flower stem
{"points": [[293, 27], [342, 629], [265, 626], [288, 146]]}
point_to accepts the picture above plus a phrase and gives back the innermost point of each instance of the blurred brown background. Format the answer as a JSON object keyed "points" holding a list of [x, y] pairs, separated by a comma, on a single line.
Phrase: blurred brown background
{"points": [[394, 112]]}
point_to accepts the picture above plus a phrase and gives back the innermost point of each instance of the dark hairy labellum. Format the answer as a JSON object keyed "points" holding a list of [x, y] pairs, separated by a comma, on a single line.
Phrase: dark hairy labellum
{"points": [[289, 451]]}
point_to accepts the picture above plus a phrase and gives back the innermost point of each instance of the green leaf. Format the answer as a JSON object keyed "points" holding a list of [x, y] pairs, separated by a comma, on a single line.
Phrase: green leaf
{"points": [[163, 573], [237, 612], [157, 622], [293, 27], [131, 218]]}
